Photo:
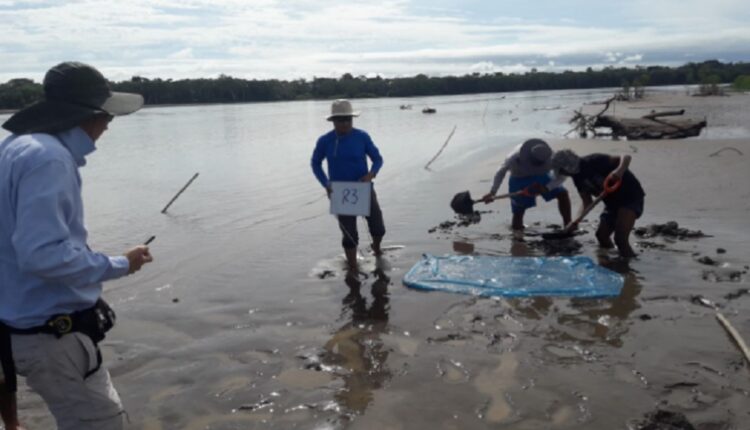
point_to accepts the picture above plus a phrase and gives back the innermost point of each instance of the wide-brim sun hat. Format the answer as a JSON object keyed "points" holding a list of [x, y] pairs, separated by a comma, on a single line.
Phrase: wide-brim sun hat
{"points": [[73, 93], [536, 152], [341, 108], [566, 161]]}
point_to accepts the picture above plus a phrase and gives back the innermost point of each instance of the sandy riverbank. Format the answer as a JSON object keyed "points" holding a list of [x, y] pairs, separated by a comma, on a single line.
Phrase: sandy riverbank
{"points": [[668, 351]]}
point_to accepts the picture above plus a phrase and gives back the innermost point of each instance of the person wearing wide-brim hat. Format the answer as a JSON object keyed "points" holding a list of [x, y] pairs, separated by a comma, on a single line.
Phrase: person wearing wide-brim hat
{"points": [[346, 150], [51, 309], [530, 170]]}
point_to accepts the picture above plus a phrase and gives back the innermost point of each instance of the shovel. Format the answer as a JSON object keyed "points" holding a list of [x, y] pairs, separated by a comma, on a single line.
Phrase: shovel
{"points": [[609, 188], [463, 204]]}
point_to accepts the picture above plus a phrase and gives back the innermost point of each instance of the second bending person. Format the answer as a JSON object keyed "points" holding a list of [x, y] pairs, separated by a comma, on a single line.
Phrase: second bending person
{"points": [[621, 208]]}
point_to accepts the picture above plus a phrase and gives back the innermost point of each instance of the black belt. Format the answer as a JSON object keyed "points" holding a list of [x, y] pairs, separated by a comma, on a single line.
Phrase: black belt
{"points": [[58, 325], [93, 322]]}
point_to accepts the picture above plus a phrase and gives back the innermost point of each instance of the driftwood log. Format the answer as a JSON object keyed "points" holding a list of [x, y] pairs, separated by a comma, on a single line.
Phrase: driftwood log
{"points": [[651, 126]]}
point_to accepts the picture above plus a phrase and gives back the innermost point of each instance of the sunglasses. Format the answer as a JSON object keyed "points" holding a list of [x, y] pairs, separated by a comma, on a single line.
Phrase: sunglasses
{"points": [[342, 119]]}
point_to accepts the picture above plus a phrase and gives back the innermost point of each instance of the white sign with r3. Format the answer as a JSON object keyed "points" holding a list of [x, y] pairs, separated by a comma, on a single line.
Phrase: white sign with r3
{"points": [[351, 198]]}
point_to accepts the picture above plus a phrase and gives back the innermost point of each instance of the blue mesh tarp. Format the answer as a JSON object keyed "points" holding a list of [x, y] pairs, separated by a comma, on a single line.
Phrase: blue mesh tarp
{"points": [[514, 276]]}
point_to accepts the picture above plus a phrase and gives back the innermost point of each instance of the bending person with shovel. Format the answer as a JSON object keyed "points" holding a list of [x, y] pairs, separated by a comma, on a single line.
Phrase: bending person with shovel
{"points": [[608, 178], [529, 166]]}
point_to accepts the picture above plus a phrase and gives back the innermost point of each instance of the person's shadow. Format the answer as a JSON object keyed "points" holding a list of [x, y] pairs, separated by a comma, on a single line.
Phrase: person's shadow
{"points": [[356, 346]]}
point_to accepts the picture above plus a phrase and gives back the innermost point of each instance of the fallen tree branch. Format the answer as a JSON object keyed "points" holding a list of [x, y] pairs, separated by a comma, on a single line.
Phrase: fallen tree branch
{"points": [[606, 105], [585, 124]]}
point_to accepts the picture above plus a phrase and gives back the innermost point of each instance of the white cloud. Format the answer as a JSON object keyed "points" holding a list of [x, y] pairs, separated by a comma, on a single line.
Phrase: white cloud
{"points": [[612, 56], [482, 67], [183, 54], [633, 58], [305, 38], [700, 15]]}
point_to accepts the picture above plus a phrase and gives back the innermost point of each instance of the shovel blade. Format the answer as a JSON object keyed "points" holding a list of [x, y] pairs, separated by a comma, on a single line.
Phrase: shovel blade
{"points": [[462, 203]]}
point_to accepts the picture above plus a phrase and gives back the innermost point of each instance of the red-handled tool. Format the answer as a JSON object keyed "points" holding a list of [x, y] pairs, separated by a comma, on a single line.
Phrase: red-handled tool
{"points": [[611, 185]]}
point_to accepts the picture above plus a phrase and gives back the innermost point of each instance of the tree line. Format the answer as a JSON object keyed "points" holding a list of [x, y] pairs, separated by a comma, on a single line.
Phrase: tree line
{"points": [[18, 93]]}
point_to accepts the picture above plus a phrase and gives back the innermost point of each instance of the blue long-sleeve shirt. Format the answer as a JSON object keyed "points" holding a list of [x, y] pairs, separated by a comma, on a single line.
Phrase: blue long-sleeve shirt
{"points": [[346, 156], [46, 268]]}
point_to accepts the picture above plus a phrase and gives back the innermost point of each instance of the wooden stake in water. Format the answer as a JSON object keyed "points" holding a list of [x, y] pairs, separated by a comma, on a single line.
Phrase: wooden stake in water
{"points": [[178, 193], [427, 166], [735, 335]]}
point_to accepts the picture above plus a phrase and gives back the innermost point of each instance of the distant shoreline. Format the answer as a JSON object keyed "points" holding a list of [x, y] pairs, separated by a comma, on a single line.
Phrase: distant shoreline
{"points": [[229, 90], [614, 89]]}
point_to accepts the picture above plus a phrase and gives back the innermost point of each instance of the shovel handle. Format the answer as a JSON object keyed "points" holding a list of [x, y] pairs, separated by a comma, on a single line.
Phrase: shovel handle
{"points": [[585, 212], [611, 185], [523, 192]]}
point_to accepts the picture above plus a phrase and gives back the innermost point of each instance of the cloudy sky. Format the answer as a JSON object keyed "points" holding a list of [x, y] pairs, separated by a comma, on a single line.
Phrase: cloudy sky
{"points": [[289, 39]]}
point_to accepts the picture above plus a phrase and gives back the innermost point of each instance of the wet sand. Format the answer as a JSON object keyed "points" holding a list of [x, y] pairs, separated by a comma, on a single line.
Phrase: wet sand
{"points": [[658, 344], [330, 356]]}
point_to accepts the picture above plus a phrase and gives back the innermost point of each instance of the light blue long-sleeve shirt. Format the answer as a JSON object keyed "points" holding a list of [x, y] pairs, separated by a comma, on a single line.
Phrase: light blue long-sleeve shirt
{"points": [[346, 156], [46, 268]]}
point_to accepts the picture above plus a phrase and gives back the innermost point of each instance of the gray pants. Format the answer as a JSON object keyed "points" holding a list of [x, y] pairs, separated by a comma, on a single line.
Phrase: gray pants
{"points": [[56, 369]]}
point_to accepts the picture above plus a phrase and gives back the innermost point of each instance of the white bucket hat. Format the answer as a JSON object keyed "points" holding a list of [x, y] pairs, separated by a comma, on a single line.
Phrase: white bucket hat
{"points": [[341, 107]]}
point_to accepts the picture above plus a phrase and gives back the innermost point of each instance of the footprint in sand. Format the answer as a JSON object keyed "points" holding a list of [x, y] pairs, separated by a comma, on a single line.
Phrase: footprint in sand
{"points": [[496, 384]]}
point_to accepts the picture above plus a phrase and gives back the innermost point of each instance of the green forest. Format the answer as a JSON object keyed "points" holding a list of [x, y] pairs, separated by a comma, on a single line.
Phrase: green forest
{"points": [[18, 93]]}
